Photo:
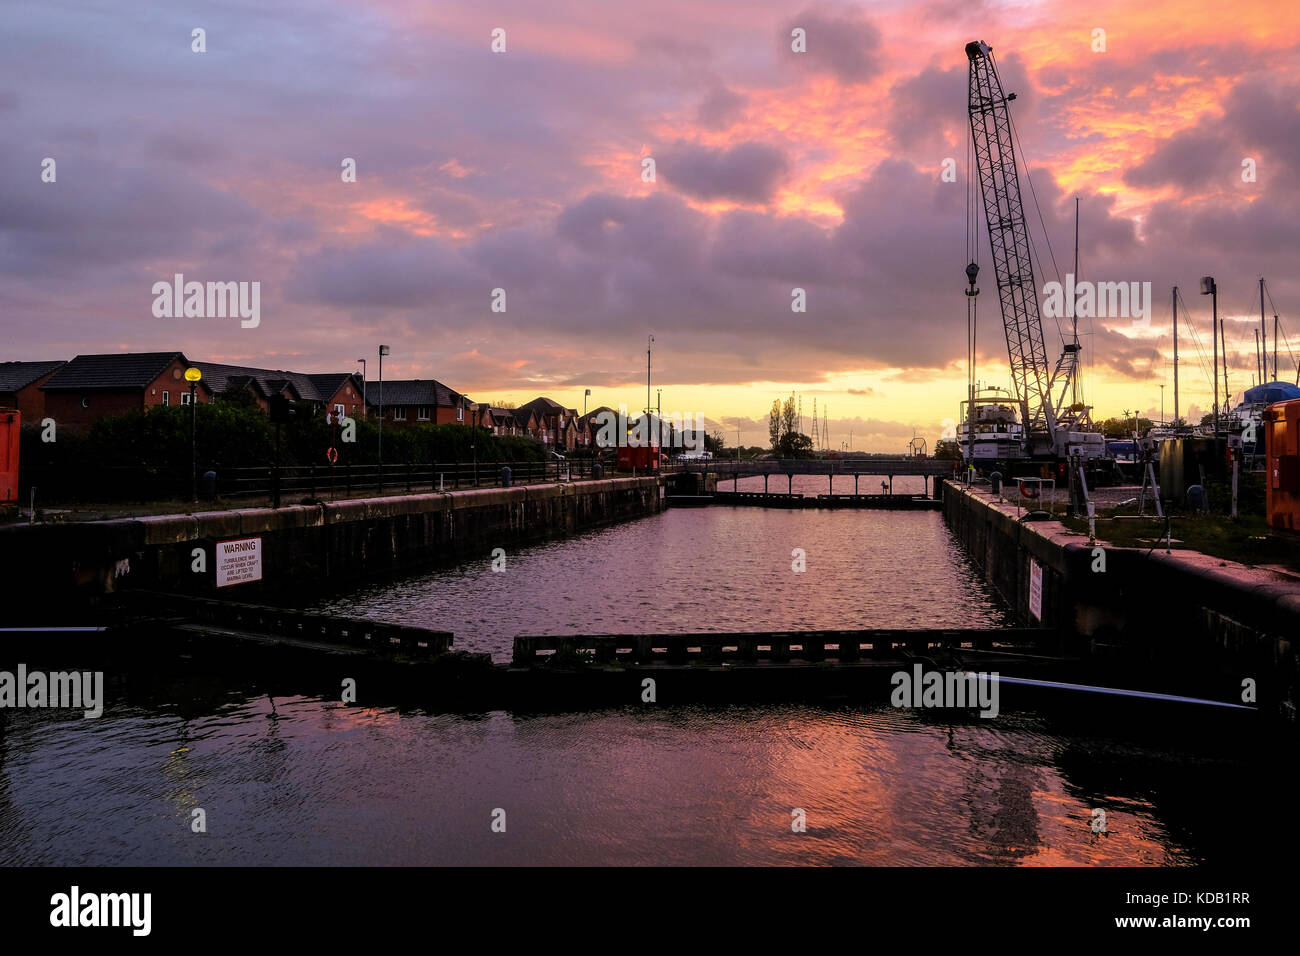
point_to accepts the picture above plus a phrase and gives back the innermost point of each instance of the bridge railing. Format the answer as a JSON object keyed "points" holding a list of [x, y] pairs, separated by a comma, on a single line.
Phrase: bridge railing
{"points": [[773, 646]]}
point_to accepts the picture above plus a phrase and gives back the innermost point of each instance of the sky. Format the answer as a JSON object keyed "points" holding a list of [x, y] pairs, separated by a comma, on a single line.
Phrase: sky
{"points": [[523, 170]]}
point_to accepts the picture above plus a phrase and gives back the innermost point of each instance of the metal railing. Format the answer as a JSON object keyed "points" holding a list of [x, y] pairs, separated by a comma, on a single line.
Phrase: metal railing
{"points": [[56, 486]]}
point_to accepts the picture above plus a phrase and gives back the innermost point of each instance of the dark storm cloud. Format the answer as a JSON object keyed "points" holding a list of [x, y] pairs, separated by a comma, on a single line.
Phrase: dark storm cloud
{"points": [[845, 46], [748, 172], [1260, 120], [720, 108]]}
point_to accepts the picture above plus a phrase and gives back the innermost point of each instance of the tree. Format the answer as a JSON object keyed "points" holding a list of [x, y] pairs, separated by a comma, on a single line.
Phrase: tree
{"points": [[795, 445], [789, 417], [774, 425], [1123, 427]]}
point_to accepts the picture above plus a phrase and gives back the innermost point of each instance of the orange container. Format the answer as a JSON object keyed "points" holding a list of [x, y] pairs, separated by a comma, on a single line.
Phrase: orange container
{"points": [[1282, 446], [10, 430]]}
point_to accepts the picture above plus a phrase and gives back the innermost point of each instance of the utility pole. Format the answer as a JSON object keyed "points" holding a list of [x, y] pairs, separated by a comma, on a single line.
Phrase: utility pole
{"points": [[1162, 405]]}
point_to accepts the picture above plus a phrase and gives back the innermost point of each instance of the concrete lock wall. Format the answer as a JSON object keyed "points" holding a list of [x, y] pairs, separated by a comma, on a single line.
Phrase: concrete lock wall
{"points": [[302, 546], [1198, 622]]}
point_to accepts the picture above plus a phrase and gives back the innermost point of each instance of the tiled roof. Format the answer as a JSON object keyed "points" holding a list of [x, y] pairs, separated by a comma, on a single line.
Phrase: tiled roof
{"points": [[18, 375], [542, 406], [115, 370], [412, 392], [327, 384], [222, 378]]}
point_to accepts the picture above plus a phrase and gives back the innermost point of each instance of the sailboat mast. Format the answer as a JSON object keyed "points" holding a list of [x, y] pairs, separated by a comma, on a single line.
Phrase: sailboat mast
{"points": [[1074, 312], [1175, 356], [1263, 336]]}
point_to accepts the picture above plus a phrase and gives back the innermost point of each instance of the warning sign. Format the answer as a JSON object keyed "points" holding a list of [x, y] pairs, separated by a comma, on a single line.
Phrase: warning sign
{"points": [[239, 561], [1036, 590]]}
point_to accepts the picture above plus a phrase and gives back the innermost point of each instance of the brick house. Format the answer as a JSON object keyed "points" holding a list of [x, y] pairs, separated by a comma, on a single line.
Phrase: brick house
{"points": [[230, 382], [420, 401], [20, 387], [526, 423], [558, 425], [590, 423], [499, 421], [340, 394], [95, 386]]}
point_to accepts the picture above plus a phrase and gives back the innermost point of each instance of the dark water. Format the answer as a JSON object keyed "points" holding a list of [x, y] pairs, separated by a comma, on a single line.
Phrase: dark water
{"points": [[716, 569], [316, 782]]}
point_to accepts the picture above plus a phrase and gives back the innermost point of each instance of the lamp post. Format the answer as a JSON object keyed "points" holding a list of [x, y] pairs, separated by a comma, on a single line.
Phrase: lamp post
{"points": [[365, 412], [649, 342], [193, 375], [1162, 405], [383, 350], [585, 395], [1209, 288]]}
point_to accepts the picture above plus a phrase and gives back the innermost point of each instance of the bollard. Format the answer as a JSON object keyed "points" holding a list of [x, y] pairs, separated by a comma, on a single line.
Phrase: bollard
{"points": [[995, 482], [210, 485], [505, 476], [1196, 498]]}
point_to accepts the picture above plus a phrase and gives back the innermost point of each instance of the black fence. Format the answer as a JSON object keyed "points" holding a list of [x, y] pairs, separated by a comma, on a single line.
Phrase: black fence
{"points": [[140, 484]]}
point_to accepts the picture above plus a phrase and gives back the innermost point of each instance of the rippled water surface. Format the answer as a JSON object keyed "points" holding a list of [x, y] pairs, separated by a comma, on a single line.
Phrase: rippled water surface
{"points": [[714, 569], [301, 780]]}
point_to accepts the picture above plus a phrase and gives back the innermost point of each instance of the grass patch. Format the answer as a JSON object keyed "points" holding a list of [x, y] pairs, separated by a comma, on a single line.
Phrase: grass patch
{"points": [[1247, 540]]}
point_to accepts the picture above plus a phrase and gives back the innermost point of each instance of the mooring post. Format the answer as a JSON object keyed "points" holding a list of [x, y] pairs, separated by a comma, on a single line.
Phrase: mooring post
{"points": [[855, 484], [790, 484], [764, 482]]}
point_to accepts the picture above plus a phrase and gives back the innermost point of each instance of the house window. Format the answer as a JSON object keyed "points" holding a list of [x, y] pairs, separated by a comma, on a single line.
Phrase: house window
{"points": [[339, 411], [422, 413], [399, 413], [167, 397], [460, 413], [185, 398]]}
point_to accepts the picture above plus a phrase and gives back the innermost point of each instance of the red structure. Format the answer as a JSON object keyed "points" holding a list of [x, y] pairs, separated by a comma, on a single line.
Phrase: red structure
{"points": [[11, 421], [1282, 444], [642, 458]]}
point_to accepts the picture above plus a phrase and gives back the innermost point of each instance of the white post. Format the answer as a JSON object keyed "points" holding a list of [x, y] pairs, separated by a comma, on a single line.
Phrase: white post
{"points": [[1234, 488]]}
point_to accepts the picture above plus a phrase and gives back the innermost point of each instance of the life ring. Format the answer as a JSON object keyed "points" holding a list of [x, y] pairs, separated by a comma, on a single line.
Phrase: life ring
{"points": [[332, 454]]}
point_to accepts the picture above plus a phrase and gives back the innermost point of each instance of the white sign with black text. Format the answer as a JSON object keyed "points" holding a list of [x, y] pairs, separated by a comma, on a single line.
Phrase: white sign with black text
{"points": [[239, 561]]}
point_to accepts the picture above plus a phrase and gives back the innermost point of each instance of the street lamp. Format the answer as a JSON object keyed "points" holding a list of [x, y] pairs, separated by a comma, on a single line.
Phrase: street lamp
{"points": [[1162, 405], [649, 341], [1209, 288], [383, 350], [585, 395], [193, 376]]}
